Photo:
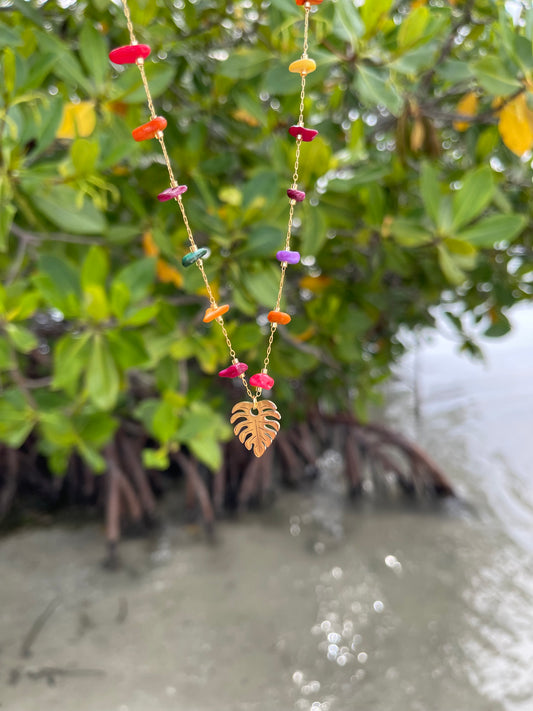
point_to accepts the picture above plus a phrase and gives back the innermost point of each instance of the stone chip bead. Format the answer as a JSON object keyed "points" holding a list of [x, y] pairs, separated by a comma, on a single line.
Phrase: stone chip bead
{"points": [[150, 129], [171, 193], [262, 380], [286, 256], [234, 371], [215, 312], [279, 317], [192, 257], [303, 66], [129, 54], [297, 195], [306, 134]]}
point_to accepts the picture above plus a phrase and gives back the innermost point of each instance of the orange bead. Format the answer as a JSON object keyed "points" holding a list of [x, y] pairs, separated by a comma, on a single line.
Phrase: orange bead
{"points": [[150, 129], [278, 317], [212, 313], [303, 66]]}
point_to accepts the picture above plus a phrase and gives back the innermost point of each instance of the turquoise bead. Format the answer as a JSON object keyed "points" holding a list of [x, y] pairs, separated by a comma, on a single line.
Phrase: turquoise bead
{"points": [[193, 257]]}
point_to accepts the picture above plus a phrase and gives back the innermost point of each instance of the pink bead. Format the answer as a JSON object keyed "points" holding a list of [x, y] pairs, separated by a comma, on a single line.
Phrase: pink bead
{"points": [[262, 380], [129, 54], [170, 193], [234, 370], [307, 134], [297, 195]]}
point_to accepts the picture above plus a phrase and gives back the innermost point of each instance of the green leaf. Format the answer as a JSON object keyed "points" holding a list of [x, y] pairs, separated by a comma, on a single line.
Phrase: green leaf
{"points": [[140, 316], [102, 378], [155, 459], [128, 348], [130, 88], [95, 303], [314, 230], [84, 154], [376, 88], [453, 273], [120, 298], [69, 210], [95, 267], [58, 428], [473, 197], [373, 12], [430, 190], [93, 51], [409, 233], [138, 277], [58, 282], [497, 228], [71, 354], [7, 213], [6, 360], [164, 422], [16, 418], [22, 338], [493, 76], [245, 64], [23, 307], [263, 241], [412, 29], [207, 450], [499, 328]]}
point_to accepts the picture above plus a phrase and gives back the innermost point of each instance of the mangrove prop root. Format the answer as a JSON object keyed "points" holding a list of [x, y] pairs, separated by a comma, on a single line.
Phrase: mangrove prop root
{"points": [[352, 465], [9, 489], [190, 469], [131, 458]]}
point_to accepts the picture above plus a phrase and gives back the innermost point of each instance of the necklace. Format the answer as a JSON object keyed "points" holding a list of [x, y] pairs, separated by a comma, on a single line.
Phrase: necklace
{"points": [[256, 422]]}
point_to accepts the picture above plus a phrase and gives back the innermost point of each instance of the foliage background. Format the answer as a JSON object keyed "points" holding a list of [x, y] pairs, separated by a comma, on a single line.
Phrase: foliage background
{"points": [[418, 196]]}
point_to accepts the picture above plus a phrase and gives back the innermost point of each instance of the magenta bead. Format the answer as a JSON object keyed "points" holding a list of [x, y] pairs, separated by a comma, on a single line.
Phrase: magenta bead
{"points": [[262, 380], [234, 370], [289, 257], [170, 193], [129, 54], [297, 195], [307, 134]]}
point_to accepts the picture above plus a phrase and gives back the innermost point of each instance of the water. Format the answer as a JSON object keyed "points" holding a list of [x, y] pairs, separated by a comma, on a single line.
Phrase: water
{"points": [[314, 605]]}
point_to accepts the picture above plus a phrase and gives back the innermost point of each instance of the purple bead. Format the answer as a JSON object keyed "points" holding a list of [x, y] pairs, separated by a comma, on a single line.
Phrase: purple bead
{"points": [[289, 257], [262, 380], [297, 195], [234, 370], [170, 193], [307, 134]]}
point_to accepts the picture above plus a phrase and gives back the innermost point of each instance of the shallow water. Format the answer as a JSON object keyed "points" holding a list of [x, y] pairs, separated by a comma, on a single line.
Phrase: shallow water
{"points": [[314, 604]]}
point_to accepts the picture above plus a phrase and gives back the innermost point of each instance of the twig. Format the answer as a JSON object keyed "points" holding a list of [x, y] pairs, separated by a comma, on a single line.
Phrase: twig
{"points": [[37, 237], [37, 627]]}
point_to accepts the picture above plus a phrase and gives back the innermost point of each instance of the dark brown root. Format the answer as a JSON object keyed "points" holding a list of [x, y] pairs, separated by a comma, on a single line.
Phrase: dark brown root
{"points": [[10, 483], [190, 468]]}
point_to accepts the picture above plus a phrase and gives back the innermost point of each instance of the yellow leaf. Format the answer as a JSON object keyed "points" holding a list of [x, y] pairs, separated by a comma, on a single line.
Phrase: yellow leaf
{"points": [[150, 248], [315, 284], [78, 120], [468, 107], [168, 274], [516, 125], [245, 117]]}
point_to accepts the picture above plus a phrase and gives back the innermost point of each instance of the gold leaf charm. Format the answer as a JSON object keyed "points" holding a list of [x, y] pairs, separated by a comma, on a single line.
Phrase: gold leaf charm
{"points": [[256, 430]]}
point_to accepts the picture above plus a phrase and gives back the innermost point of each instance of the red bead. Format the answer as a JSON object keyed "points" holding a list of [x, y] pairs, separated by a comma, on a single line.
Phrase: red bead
{"points": [[297, 195], [150, 129], [262, 380], [171, 193], [311, 2], [129, 53], [234, 370], [306, 134]]}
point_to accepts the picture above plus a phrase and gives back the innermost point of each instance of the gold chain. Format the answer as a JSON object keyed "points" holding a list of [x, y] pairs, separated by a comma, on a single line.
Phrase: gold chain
{"points": [[192, 242]]}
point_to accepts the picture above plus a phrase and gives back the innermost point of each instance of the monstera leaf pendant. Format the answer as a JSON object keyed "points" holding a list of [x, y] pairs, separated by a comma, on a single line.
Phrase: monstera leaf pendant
{"points": [[257, 424]]}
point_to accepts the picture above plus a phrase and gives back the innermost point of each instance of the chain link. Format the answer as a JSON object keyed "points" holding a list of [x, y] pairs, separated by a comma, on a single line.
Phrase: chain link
{"points": [[192, 242]]}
